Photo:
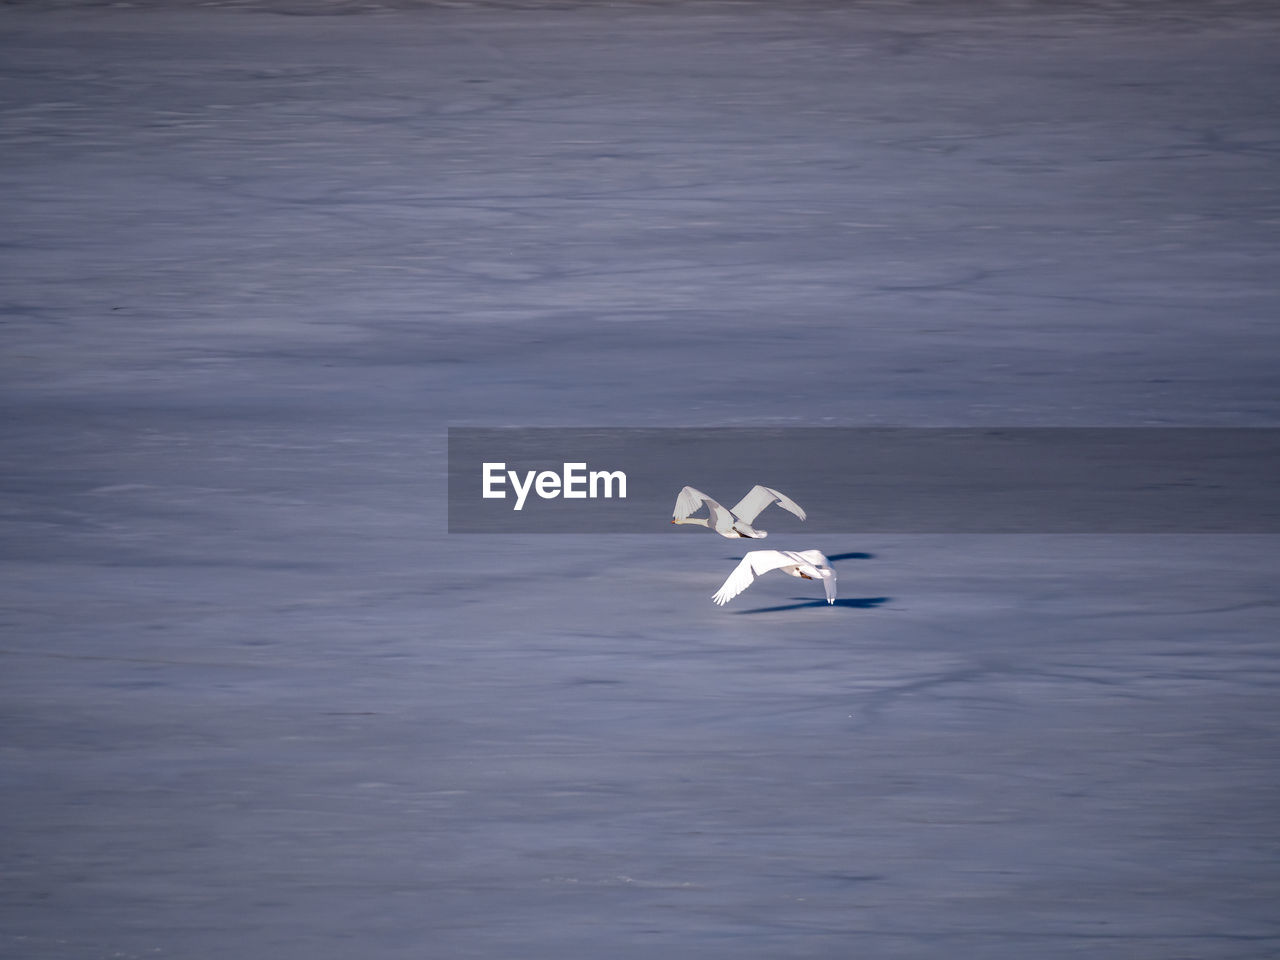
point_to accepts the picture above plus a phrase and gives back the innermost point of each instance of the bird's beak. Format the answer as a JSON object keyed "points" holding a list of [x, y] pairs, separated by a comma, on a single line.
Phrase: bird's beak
{"points": [[673, 521]]}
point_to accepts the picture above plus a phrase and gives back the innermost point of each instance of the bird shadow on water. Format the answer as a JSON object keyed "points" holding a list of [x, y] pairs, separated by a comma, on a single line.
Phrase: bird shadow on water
{"points": [[859, 603], [834, 557]]}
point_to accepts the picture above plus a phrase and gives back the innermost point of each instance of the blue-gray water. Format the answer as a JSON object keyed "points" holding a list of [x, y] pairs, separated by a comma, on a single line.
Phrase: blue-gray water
{"points": [[257, 703]]}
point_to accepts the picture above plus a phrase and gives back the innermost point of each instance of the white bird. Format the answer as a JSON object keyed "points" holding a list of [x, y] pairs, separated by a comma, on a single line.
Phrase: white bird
{"points": [[736, 522], [809, 564]]}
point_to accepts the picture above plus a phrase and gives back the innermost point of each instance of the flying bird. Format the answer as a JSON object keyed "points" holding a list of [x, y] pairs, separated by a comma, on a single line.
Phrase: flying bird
{"points": [[736, 522], [808, 564]]}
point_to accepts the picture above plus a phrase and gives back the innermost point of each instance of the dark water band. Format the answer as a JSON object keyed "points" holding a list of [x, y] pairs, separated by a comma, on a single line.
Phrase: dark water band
{"points": [[873, 480]]}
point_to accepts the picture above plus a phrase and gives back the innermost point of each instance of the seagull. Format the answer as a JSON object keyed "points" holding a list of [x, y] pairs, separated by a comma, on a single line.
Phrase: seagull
{"points": [[736, 522], [809, 564]]}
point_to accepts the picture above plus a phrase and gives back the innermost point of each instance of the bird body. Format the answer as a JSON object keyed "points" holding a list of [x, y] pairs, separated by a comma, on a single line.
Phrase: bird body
{"points": [[734, 523], [806, 564]]}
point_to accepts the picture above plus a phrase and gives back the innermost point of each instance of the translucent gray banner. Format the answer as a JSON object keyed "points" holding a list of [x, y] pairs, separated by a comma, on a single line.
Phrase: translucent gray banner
{"points": [[871, 480]]}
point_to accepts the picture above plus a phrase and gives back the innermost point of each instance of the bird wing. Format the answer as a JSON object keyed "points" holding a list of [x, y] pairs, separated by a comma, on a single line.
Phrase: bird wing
{"points": [[687, 502], [751, 566], [758, 497], [721, 520], [829, 583], [813, 557]]}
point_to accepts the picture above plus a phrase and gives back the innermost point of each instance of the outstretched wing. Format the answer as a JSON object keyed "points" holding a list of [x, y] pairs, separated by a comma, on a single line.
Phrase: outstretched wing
{"points": [[758, 497], [813, 557], [721, 519], [687, 502], [691, 500], [744, 574]]}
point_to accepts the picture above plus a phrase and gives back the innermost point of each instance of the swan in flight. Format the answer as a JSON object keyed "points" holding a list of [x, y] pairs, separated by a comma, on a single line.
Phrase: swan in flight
{"points": [[809, 564], [736, 522]]}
